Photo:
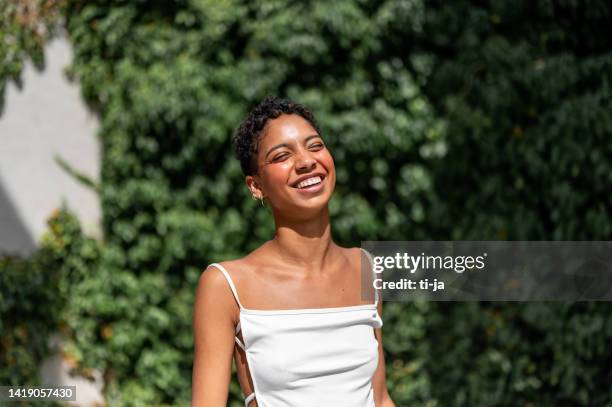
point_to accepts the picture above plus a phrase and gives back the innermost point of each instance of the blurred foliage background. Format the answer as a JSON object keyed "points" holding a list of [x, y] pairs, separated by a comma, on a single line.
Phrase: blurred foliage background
{"points": [[447, 121], [24, 28]]}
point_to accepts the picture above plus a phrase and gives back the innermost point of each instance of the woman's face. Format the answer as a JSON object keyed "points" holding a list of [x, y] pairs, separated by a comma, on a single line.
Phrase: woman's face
{"points": [[292, 155]]}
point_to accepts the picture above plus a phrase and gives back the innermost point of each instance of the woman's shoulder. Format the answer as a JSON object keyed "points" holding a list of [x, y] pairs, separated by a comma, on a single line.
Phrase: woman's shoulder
{"points": [[354, 252], [218, 283], [226, 279], [231, 268]]}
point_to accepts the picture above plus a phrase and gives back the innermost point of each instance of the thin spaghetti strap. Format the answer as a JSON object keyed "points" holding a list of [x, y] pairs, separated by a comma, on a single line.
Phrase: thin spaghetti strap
{"points": [[248, 399], [229, 281], [369, 256]]}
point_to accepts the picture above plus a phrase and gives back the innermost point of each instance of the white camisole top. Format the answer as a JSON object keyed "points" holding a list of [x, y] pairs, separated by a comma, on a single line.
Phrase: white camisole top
{"points": [[310, 357]]}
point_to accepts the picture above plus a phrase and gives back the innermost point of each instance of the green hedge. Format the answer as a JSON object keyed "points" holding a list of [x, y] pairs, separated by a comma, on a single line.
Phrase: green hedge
{"points": [[446, 121], [36, 300]]}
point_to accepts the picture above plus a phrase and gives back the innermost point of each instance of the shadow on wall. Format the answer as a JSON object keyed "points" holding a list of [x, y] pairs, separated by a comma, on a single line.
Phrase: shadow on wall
{"points": [[14, 236]]}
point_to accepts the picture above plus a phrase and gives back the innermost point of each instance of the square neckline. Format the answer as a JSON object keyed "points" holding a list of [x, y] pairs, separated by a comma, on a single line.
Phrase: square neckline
{"points": [[347, 308]]}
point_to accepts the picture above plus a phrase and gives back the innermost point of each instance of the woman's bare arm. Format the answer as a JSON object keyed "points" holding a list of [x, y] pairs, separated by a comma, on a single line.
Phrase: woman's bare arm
{"points": [[214, 319], [381, 393]]}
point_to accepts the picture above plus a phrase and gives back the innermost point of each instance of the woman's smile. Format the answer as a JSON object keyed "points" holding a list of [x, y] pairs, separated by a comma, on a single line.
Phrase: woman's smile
{"points": [[311, 189], [310, 184]]}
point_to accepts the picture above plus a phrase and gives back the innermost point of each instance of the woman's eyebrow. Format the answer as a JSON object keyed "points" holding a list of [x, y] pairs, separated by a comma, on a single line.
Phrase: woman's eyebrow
{"points": [[286, 145]]}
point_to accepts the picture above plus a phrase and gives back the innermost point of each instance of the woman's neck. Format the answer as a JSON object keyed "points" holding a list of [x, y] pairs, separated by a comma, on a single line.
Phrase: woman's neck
{"points": [[305, 242]]}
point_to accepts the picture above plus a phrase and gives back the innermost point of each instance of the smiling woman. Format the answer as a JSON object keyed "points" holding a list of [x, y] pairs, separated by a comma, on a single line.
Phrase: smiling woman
{"points": [[279, 145], [291, 312]]}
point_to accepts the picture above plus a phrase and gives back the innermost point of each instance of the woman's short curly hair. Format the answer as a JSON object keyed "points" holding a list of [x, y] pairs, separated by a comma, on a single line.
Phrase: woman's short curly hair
{"points": [[247, 136]]}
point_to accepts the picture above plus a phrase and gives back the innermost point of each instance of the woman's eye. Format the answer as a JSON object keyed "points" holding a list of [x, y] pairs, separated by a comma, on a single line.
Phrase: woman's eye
{"points": [[280, 156]]}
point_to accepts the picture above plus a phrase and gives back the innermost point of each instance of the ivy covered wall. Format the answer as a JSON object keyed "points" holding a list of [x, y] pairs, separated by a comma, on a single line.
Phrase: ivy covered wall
{"points": [[457, 120]]}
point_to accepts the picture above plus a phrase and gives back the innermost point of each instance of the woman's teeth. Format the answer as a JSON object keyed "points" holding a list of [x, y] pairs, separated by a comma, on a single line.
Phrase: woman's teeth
{"points": [[308, 182]]}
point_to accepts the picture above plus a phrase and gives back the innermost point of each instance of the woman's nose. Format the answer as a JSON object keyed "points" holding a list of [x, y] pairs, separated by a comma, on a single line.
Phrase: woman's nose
{"points": [[305, 162]]}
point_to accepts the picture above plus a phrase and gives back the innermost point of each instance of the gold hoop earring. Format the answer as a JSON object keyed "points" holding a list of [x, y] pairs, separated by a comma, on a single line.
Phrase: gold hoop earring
{"points": [[258, 198]]}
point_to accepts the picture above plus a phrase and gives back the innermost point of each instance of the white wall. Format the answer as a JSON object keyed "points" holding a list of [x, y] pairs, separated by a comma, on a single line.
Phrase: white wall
{"points": [[44, 118]]}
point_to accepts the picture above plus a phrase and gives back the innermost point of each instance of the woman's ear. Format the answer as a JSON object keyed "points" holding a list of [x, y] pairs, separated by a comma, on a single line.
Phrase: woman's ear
{"points": [[254, 187]]}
